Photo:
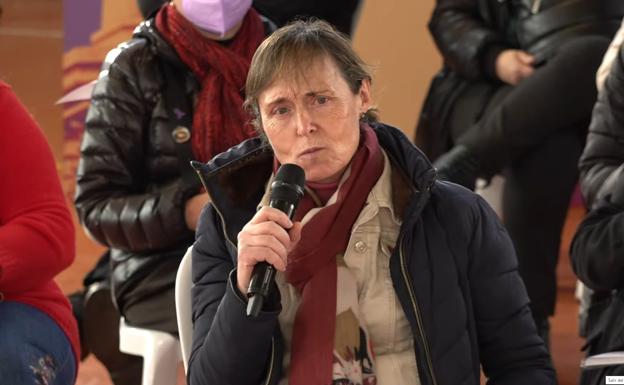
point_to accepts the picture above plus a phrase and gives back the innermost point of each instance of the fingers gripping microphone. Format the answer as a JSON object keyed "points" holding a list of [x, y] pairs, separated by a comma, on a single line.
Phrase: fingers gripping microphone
{"points": [[286, 191]]}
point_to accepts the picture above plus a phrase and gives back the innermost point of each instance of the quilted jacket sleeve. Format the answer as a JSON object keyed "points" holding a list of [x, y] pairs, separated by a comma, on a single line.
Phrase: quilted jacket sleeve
{"points": [[228, 347], [511, 351], [112, 198], [603, 158], [597, 250]]}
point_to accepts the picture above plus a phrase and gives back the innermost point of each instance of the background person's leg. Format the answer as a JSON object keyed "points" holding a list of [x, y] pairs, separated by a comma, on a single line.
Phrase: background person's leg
{"points": [[554, 98], [98, 277], [101, 333], [33, 348], [151, 303], [536, 198], [459, 165]]}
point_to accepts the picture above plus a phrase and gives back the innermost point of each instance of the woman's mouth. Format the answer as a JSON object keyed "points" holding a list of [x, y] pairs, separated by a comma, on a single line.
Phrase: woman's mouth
{"points": [[310, 151]]}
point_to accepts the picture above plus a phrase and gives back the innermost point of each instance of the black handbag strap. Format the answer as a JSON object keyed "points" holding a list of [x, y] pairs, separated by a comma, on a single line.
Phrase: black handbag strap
{"points": [[180, 114]]}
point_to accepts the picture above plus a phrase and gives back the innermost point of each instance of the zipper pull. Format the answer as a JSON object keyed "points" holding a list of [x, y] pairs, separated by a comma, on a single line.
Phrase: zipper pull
{"points": [[537, 4]]}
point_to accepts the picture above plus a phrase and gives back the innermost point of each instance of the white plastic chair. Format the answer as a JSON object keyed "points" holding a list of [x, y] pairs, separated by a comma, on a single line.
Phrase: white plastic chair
{"points": [[160, 352], [183, 306]]}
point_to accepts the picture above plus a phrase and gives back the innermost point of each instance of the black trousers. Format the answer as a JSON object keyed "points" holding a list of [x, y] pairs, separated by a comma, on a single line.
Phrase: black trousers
{"points": [[149, 304], [534, 133]]}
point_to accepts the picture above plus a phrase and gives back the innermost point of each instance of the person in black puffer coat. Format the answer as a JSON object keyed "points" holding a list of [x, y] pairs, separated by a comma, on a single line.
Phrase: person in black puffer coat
{"points": [[168, 95], [597, 247], [515, 97]]}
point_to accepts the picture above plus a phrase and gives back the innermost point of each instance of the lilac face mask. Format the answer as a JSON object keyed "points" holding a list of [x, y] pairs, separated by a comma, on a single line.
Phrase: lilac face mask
{"points": [[216, 16]]}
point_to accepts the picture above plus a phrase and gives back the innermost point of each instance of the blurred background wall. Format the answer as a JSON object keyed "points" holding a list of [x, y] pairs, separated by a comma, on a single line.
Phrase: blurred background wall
{"points": [[392, 36], [31, 46]]}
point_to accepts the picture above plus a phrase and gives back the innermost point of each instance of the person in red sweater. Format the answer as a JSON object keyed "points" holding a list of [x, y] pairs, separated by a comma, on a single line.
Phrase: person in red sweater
{"points": [[39, 340]]}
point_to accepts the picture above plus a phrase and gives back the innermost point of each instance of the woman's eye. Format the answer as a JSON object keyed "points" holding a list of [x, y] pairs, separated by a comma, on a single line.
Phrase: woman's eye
{"points": [[322, 99], [281, 111]]}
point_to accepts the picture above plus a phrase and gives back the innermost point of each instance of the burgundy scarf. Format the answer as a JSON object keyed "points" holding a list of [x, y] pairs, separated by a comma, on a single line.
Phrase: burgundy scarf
{"points": [[312, 265], [219, 121]]}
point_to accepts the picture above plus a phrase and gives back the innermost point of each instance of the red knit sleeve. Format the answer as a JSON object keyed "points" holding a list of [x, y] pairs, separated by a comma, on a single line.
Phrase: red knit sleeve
{"points": [[36, 229]]}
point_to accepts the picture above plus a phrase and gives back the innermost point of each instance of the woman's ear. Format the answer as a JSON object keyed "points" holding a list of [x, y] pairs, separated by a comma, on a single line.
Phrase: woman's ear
{"points": [[365, 95]]}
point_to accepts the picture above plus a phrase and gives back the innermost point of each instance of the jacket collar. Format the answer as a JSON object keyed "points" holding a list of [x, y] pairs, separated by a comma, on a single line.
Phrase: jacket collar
{"points": [[236, 179], [147, 30]]}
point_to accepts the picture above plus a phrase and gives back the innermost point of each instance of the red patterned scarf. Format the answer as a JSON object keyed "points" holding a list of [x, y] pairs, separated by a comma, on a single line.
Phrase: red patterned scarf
{"points": [[219, 121], [312, 265]]}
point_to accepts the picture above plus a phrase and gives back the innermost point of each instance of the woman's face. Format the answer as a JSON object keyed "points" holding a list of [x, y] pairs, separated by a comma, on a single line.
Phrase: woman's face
{"points": [[312, 119]]}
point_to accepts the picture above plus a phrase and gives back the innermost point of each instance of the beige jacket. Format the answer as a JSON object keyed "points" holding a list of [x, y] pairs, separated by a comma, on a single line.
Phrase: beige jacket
{"points": [[367, 257]]}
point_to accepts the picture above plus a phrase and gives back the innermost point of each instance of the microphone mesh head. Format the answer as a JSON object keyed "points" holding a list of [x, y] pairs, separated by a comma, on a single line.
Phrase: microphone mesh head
{"points": [[291, 174], [288, 184]]}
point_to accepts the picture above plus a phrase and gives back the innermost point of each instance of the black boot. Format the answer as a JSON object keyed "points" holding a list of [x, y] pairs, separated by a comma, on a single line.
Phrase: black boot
{"points": [[101, 328], [459, 166]]}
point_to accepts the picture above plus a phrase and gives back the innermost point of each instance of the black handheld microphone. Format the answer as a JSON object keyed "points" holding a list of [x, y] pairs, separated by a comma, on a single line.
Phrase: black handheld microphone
{"points": [[286, 191]]}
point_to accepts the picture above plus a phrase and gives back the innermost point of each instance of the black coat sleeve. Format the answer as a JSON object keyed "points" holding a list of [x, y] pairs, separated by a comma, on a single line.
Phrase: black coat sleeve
{"points": [[112, 198], [228, 347], [511, 351], [463, 37], [597, 250], [601, 163]]}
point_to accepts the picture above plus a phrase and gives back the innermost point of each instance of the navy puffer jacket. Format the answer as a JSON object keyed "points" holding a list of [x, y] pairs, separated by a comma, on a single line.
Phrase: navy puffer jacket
{"points": [[454, 271]]}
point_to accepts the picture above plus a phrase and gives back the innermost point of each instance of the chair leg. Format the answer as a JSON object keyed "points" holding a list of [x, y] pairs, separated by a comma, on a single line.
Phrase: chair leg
{"points": [[160, 363], [160, 351]]}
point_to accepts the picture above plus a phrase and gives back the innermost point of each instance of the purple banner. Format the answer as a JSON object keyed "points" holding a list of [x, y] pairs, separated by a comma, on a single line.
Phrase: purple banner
{"points": [[81, 19]]}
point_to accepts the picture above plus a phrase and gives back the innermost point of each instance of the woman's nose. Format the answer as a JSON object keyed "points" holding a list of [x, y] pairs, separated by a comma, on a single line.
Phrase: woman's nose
{"points": [[305, 122]]}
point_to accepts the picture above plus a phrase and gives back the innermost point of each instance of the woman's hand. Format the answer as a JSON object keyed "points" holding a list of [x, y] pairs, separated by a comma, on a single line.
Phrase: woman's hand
{"points": [[268, 237], [193, 208], [513, 66]]}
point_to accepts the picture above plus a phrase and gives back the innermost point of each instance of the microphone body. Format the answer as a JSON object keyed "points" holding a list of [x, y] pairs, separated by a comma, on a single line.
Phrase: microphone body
{"points": [[286, 191]]}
